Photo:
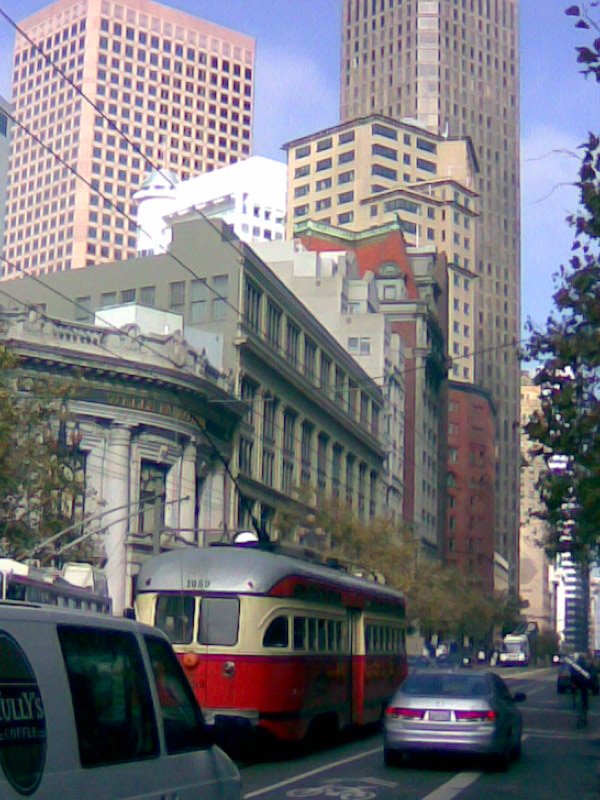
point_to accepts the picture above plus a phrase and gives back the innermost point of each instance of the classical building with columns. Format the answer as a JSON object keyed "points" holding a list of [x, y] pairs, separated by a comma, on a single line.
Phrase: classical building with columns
{"points": [[313, 421], [152, 421]]}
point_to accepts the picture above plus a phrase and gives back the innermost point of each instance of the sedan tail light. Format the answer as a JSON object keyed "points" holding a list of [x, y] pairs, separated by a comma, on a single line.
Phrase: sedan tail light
{"points": [[405, 713], [484, 715]]}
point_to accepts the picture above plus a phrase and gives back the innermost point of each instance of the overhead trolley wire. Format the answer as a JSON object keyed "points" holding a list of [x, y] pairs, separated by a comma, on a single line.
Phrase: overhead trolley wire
{"points": [[233, 243]]}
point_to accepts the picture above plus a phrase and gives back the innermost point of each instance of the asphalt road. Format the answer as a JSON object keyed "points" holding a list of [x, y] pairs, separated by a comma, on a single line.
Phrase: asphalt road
{"points": [[559, 762]]}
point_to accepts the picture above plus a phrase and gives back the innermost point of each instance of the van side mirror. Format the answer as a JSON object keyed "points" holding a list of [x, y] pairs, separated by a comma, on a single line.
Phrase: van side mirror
{"points": [[519, 697]]}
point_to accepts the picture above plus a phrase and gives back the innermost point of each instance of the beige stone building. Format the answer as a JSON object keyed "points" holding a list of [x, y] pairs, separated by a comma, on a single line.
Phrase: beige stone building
{"points": [[455, 68], [534, 568], [314, 418], [158, 87], [372, 170], [144, 419]]}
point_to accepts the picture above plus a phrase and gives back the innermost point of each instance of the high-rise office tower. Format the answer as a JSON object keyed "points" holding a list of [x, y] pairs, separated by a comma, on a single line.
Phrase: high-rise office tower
{"points": [[5, 110], [453, 65], [178, 89]]}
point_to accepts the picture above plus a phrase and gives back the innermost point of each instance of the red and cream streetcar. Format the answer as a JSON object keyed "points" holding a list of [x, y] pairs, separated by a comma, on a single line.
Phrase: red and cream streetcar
{"points": [[275, 643]]}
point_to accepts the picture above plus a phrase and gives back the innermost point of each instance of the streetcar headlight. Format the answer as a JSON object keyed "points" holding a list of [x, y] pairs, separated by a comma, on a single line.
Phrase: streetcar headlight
{"points": [[190, 660]]}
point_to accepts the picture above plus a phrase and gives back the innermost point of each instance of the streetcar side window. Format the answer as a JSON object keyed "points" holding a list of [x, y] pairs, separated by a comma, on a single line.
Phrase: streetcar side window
{"points": [[383, 639], [333, 635], [175, 616], [277, 634], [322, 635], [299, 633], [219, 621], [318, 634]]}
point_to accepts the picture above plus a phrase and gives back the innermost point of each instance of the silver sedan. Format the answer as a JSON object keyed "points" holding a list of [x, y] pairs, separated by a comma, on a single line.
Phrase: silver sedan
{"points": [[454, 712]]}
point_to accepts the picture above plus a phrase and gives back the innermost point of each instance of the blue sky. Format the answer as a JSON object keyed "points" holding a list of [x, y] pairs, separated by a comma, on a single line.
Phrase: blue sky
{"points": [[297, 92]]}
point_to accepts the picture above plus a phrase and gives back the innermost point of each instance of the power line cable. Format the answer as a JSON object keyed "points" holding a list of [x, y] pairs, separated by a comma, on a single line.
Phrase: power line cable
{"points": [[150, 163], [74, 86], [406, 455], [121, 133], [118, 356], [231, 242], [115, 206], [416, 466], [154, 167]]}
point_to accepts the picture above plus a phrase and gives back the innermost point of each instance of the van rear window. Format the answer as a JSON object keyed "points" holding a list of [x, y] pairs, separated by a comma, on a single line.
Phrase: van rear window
{"points": [[111, 697], [182, 719]]}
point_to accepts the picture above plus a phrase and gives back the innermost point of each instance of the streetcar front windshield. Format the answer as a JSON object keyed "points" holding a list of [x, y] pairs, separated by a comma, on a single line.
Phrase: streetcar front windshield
{"points": [[219, 621], [175, 616]]}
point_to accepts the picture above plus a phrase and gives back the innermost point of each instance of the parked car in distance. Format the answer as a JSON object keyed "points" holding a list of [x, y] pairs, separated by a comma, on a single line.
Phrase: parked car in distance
{"points": [[453, 660], [418, 662], [461, 711], [99, 706]]}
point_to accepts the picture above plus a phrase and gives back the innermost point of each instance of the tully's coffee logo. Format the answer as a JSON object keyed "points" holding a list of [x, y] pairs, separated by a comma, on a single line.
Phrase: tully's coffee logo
{"points": [[22, 719], [21, 714]]}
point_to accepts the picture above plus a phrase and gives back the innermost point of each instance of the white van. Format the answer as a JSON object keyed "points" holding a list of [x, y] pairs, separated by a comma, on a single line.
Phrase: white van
{"points": [[93, 706]]}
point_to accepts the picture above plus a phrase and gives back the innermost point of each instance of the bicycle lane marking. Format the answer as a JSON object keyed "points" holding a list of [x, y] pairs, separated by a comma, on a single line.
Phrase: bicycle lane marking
{"points": [[447, 791], [304, 775]]}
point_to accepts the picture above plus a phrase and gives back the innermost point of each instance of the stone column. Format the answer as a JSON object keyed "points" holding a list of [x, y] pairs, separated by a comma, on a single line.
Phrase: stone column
{"points": [[187, 514], [94, 473], [117, 497], [212, 504]]}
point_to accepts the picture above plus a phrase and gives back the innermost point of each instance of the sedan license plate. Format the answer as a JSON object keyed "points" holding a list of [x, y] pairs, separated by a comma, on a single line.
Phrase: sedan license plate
{"points": [[439, 716]]}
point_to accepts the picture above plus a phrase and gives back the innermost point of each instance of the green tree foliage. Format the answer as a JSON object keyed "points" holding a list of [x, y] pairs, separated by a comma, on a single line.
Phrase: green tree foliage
{"points": [[567, 428], [548, 644], [440, 599], [38, 484]]}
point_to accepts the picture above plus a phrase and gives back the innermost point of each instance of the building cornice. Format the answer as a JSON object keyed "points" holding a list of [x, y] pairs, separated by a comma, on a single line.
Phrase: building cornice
{"points": [[310, 227], [472, 388], [120, 354], [404, 124]]}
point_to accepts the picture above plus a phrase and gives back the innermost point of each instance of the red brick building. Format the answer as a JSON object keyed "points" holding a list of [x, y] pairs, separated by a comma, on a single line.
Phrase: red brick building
{"points": [[412, 291], [471, 482]]}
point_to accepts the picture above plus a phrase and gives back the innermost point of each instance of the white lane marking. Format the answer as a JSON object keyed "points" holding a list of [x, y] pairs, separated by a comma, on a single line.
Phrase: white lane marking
{"points": [[312, 772], [549, 734], [564, 710], [524, 676], [531, 692], [453, 787]]}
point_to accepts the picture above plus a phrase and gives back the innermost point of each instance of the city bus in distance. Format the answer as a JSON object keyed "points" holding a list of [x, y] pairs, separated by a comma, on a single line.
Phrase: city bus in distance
{"points": [[87, 591], [275, 644]]}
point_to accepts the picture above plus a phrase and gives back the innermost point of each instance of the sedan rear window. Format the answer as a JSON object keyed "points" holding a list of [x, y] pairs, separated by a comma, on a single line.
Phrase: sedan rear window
{"points": [[446, 685]]}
